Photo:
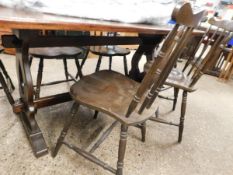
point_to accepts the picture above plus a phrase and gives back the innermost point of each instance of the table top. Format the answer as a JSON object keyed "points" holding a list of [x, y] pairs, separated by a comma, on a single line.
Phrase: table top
{"points": [[18, 19]]}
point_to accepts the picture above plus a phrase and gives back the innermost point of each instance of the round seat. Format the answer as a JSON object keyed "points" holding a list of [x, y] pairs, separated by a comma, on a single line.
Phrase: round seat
{"points": [[109, 50], [55, 52]]}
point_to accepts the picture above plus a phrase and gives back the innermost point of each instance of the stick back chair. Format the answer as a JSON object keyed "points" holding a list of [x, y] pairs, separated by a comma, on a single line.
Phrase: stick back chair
{"points": [[6, 82], [110, 51], [227, 65], [207, 51], [124, 99]]}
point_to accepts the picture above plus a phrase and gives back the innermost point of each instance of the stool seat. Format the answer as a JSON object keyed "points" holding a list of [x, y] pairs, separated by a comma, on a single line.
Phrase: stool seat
{"points": [[109, 50], [55, 52]]}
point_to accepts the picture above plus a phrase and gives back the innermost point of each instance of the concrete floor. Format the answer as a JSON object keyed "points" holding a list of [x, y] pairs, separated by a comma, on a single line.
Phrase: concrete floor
{"points": [[206, 148]]}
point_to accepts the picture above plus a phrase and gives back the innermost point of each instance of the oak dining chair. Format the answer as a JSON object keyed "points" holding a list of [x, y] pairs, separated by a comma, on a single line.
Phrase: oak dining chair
{"points": [[227, 65], [128, 102], [206, 53], [5, 81]]}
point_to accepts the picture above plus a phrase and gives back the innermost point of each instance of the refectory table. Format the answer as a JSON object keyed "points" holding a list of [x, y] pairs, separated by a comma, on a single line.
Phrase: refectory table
{"points": [[25, 26]]}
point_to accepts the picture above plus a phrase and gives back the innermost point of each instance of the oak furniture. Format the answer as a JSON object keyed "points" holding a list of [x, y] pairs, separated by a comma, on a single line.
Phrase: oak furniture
{"points": [[125, 100], [227, 66], [204, 57], [63, 53]]}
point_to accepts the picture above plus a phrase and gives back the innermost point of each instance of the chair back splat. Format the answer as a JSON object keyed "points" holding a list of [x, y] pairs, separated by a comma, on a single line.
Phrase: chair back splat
{"points": [[173, 46]]}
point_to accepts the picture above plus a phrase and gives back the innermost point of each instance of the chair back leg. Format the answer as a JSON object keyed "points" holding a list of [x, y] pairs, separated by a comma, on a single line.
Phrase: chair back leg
{"points": [[183, 111]]}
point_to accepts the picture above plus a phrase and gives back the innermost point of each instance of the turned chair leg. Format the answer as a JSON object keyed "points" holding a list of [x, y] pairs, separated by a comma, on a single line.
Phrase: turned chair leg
{"points": [[98, 64], [79, 69], [110, 62], [67, 125], [3, 69], [125, 66], [176, 92], [39, 78], [65, 68], [122, 148], [183, 110]]}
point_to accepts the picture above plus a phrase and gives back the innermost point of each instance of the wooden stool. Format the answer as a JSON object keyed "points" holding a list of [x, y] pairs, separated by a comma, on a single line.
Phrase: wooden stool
{"points": [[63, 53], [110, 51]]}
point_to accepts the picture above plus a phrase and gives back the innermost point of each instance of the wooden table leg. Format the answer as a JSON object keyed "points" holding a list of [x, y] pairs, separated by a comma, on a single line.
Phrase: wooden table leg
{"points": [[27, 116], [146, 48]]}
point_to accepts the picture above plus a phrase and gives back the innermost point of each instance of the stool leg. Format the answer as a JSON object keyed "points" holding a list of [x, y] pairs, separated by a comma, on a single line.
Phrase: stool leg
{"points": [[39, 78], [6, 75], [65, 68], [30, 60], [176, 92], [125, 66], [183, 110], [96, 114], [79, 69], [98, 64], [110, 63], [122, 148], [68, 123]]}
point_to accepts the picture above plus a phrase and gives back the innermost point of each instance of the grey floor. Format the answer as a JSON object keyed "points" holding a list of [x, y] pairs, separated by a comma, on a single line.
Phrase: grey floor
{"points": [[206, 148]]}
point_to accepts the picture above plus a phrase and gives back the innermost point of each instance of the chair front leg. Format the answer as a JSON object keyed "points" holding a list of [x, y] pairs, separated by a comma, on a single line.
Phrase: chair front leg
{"points": [[64, 131], [183, 110], [122, 148]]}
